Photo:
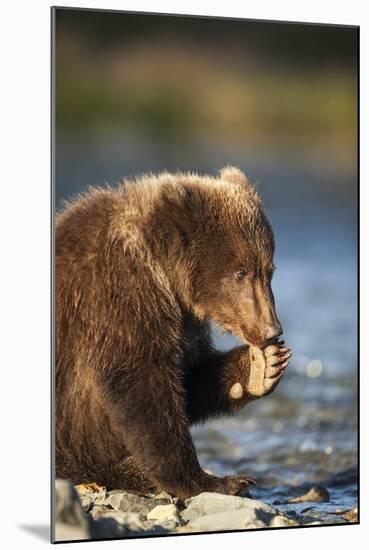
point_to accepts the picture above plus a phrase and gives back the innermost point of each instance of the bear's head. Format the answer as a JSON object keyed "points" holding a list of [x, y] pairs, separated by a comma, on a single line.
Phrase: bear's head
{"points": [[228, 248]]}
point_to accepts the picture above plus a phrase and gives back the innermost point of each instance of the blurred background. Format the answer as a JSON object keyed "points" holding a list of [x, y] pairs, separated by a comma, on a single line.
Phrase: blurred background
{"points": [[138, 93]]}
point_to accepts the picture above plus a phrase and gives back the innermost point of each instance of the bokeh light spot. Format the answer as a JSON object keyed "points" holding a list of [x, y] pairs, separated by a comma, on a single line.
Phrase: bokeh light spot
{"points": [[314, 368]]}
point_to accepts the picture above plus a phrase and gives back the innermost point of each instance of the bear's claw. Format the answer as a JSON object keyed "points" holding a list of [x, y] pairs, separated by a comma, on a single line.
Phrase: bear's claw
{"points": [[266, 368]]}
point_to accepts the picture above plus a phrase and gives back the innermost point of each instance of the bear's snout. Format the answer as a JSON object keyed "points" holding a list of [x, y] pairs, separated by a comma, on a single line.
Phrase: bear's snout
{"points": [[272, 331]]}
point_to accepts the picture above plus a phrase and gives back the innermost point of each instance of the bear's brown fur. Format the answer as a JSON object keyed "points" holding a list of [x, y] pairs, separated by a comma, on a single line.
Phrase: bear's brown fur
{"points": [[140, 271]]}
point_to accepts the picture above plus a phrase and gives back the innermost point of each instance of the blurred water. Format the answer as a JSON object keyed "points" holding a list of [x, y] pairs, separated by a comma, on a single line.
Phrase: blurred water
{"points": [[306, 431]]}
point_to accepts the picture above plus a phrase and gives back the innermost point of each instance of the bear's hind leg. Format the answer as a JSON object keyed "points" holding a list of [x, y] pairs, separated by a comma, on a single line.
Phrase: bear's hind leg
{"points": [[127, 476]]}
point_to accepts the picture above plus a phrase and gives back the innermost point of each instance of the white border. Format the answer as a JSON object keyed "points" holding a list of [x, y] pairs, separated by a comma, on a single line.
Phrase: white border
{"points": [[25, 261]]}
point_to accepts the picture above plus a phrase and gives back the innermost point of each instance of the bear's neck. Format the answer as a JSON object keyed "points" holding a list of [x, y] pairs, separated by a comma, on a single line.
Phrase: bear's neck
{"points": [[171, 248]]}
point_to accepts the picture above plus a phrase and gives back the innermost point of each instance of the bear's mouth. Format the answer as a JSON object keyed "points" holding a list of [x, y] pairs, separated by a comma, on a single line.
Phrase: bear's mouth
{"points": [[255, 341], [243, 335]]}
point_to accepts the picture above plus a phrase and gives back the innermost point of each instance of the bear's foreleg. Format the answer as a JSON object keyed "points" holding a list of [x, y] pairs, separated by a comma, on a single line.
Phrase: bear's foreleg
{"points": [[210, 384], [223, 383]]}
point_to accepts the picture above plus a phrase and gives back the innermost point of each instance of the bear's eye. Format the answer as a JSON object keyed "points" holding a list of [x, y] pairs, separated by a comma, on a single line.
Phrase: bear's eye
{"points": [[240, 274]]}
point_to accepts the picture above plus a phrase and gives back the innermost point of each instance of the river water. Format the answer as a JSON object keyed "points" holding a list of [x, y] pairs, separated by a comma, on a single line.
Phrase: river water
{"points": [[305, 433]]}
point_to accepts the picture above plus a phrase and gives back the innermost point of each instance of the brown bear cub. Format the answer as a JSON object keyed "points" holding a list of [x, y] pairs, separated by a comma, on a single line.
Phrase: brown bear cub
{"points": [[140, 271]]}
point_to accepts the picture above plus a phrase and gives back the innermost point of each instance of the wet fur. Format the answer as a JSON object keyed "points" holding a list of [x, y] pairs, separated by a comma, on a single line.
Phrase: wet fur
{"points": [[135, 365]]}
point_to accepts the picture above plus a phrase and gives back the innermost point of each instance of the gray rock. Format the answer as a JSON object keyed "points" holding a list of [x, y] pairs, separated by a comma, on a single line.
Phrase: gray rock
{"points": [[128, 502], [351, 515], [169, 525], [214, 503], [120, 514], [108, 528], [246, 518], [283, 521], [70, 521], [112, 515], [321, 515], [164, 512], [130, 520], [112, 500], [88, 493], [87, 501], [99, 512], [115, 523], [315, 494]]}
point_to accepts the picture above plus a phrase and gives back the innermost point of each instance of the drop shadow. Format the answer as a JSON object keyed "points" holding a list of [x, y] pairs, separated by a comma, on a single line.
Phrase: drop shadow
{"points": [[40, 531]]}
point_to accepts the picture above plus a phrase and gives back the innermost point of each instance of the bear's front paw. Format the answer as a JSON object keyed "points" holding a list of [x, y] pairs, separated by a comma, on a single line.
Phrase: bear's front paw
{"points": [[276, 361], [266, 368]]}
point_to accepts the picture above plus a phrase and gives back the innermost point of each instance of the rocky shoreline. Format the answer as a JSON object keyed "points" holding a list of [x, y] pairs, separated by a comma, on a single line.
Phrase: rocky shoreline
{"points": [[91, 512]]}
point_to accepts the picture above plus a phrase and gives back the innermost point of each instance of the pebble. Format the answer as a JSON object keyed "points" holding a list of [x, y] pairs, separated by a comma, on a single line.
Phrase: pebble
{"points": [[164, 512], [351, 515], [91, 512], [89, 488], [212, 503], [315, 494], [283, 521], [247, 518], [164, 496]]}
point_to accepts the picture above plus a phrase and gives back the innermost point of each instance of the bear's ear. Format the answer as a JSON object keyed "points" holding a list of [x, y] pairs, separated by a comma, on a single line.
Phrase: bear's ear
{"points": [[233, 175]]}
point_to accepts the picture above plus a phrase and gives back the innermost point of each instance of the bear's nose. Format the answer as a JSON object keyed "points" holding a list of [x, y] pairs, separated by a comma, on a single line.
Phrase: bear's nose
{"points": [[273, 331]]}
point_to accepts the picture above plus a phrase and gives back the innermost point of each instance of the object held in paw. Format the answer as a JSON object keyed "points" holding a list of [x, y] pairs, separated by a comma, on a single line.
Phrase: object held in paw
{"points": [[266, 368]]}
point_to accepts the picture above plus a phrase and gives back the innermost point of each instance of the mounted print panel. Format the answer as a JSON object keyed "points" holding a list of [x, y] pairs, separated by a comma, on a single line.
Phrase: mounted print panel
{"points": [[205, 184]]}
